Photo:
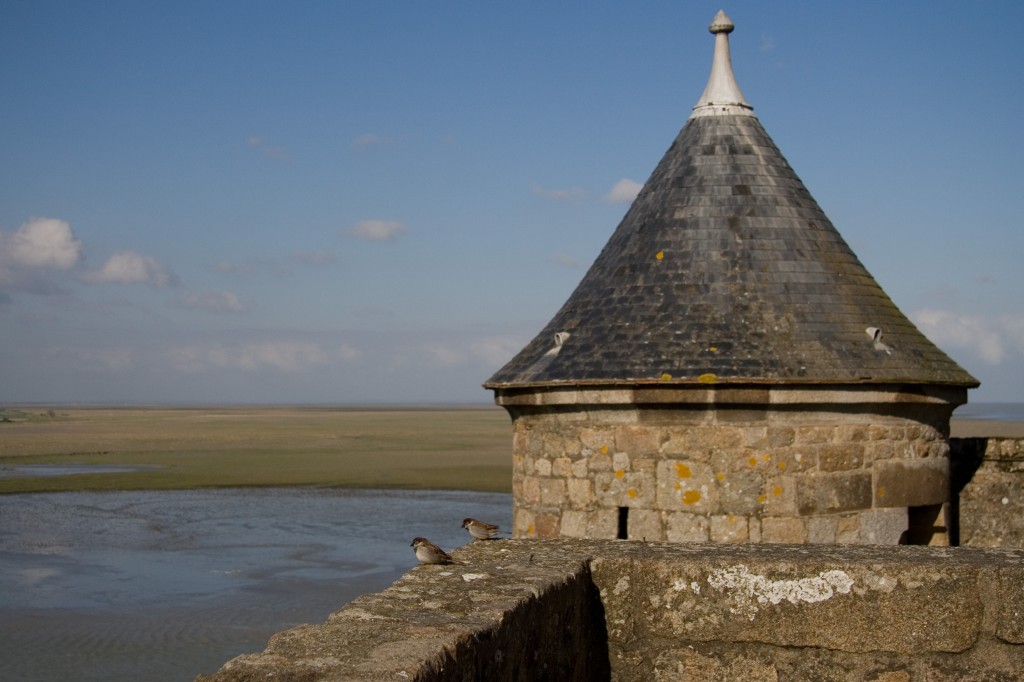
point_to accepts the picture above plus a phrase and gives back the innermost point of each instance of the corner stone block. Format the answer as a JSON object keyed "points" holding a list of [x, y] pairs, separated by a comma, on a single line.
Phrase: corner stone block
{"points": [[547, 524], [883, 526], [686, 485], [552, 492], [729, 528], [911, 482], [686, 527], [646, 525], [581, 492], [833, 492], [783, 530], [637, 440]]}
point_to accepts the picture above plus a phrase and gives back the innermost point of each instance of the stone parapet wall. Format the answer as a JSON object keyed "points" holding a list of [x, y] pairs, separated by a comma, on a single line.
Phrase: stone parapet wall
{"points": [[697, 473], [570, 609], [988, 491]]}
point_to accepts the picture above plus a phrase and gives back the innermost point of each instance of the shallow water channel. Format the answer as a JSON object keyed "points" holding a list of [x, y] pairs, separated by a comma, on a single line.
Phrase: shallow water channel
{"points": [[166, 585]]}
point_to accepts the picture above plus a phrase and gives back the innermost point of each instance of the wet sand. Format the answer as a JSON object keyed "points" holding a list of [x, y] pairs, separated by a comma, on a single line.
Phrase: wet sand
{"points": [[166, 585], [985, 428]]}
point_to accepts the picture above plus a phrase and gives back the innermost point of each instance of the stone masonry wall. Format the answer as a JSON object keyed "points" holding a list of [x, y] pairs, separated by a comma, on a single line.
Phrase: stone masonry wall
{"points": [[988, 491], [636, 611], [730, 475]]}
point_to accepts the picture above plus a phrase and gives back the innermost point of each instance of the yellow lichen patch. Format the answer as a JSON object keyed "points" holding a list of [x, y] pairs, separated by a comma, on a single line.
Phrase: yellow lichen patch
{"points": [[666, 377], [683, 470], [530, 530], [678, 486], [660, 255], [782, 465], [619, 473], [720, 475], [761, 499], [752, 461], [604, 449], [691, 497], [767, 458], [632, 493], [707, 378], [881, 491], [713, 349], [777, 490]]}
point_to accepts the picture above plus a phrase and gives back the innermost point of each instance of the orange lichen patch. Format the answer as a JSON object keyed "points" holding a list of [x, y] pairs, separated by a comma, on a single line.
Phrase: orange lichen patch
{"points": [[707, 378], [752, 461], [712, 349], [619, 473], [683, 470], [777, 490], [782, 465], [720, 475], [660, 255], [632, 493], [666, 377], [604, 449], [678, 486], [881, 491], [767, 458], [530, 530], [691, 497], [761, 499]]}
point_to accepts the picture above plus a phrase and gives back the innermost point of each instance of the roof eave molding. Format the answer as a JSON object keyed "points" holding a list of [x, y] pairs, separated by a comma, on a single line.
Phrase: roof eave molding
{"points": [[722, 95]]}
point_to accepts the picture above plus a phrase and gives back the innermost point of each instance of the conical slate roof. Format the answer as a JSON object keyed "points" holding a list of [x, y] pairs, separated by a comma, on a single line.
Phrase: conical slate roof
{"points": [[726, 270]]}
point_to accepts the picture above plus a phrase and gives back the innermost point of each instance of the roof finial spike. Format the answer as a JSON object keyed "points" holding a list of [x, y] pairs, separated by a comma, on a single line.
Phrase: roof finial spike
{"points": [[722, 95]]}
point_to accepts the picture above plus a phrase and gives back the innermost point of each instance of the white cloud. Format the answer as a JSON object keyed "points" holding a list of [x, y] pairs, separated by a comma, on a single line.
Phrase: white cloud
{"points": [[624, 192], [496, 351], [566, 261], [377, 230], [214, 302], [106, 359], [492, 352], [268, 150], [573, 194], [283, 356], [944, 328], [40, 243], [129, 267]]}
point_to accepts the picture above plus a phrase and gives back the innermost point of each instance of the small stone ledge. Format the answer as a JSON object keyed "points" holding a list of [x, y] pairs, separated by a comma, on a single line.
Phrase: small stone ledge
{"points": [[599, 609]]}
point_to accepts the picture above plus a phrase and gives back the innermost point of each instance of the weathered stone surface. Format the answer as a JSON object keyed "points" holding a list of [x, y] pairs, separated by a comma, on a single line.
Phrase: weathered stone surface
{"points": [[911, 482], [987, 478], [639, 611], [805, 463]]}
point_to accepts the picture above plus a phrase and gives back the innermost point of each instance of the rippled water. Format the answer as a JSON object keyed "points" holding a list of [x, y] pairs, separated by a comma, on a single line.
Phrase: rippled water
{"points": [[167, 585]]}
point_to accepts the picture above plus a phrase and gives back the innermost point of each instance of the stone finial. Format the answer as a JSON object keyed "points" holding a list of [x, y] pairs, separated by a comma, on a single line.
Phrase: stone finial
{"points": [[722, 95]]}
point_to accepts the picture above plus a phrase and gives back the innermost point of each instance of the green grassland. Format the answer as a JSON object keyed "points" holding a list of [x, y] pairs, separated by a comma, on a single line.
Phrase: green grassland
{"points": [[439, 448]]}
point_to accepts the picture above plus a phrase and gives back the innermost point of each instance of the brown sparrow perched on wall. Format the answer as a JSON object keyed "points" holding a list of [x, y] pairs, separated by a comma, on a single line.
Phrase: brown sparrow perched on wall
{"points": [[429, 553], [481, 530]]}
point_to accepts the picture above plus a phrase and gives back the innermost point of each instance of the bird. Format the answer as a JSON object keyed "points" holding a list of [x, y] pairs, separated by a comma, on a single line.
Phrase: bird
{"points": [[876, 340], [480, 530], [429, 553]]}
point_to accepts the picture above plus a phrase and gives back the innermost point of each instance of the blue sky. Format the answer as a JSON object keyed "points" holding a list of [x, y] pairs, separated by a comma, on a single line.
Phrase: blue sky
{"points": [[384, 201]]}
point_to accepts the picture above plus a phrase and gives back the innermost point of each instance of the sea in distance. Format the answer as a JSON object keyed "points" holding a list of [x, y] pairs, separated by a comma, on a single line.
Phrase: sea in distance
{"points": [[165, 585], [1000, 412]]}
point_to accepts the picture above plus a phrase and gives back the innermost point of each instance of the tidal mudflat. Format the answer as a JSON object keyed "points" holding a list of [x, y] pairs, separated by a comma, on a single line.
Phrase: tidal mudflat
{"points": [[164, 585]]}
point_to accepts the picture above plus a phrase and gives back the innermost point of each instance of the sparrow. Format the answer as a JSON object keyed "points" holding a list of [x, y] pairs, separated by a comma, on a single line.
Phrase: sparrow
{"points": [[481, 530], [429, 553]]}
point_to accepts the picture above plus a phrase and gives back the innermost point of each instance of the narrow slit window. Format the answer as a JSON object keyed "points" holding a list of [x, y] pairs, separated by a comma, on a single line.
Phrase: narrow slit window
{"points": [[623, 524]]}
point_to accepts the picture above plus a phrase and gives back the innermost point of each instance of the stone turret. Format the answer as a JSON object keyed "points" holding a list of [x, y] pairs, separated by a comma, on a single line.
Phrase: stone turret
{"points": [[727, 369]]}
